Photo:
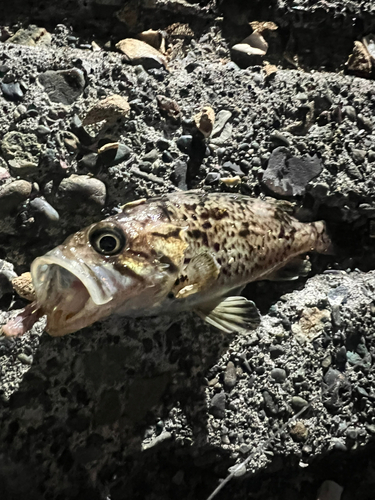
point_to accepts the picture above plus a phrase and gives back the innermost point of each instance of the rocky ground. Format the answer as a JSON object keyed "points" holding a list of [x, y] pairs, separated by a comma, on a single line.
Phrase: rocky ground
{"points": [[155, 409]]}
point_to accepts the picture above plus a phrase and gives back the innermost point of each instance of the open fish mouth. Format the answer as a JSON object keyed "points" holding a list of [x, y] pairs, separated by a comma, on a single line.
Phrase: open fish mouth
{"points": [[67, 290]]}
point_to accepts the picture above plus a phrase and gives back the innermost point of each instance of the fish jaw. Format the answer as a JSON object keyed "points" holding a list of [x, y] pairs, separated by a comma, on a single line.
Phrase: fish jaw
{"points": [[71, 293]]}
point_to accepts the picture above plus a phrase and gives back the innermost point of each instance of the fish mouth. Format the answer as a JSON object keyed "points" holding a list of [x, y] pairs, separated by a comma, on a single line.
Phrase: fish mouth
{"points": [[69, 291]]}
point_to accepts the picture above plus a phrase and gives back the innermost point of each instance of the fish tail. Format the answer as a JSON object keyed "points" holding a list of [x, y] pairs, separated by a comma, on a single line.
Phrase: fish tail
{"points": [[323, 242]]}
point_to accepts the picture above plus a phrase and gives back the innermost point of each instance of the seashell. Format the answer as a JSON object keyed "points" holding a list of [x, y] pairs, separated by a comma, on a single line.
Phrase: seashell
{"points": [[110, 108], [231, 181], [138, 52]]}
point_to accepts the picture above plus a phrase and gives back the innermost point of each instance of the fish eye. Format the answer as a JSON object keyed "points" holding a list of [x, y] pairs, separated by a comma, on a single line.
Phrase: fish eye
{"points": [[107, 240]]}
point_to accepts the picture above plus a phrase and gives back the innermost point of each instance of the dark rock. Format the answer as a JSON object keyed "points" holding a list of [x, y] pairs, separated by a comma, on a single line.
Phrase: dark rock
{"points": [[63, 86], [184, 143], [230, 375], [114, 156], [79, 192], [289, 176], [270, 406], [151, 156], [178, 176], [233, 167], [167, 157], [163, 144], [217, 405], [13, 194], [41, 207], [279, 375], [212, 177], [279, 139], [89, 161]]}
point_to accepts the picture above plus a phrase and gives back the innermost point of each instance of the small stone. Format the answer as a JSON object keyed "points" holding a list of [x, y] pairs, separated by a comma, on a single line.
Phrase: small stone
{"points": [[163, 144], [167, 157], [270, 70], [63, 86], [109, 156], [89, 161], [244, 449], [254, 47], [231, 181], [276, 351], [358, 155], [12, 91], [109, 109], [230, 375], [21, 151], [7, 274], [359, 62], [228, 165], [26, 359], [151, 156], [299, 432], [279, 139], [40, 206], [217, 405], [154, 38], [327, 361], [23, 286], [224, 136], [204, 121], [341, 355], [138, 52], [212, 177], [168, 108], [298, 403], [270, 406], [221, 119], [42, 131], [31, 36], [279, 375], [286, 175], [364, 122], [350, 112], [330, 490], [13, 194]]}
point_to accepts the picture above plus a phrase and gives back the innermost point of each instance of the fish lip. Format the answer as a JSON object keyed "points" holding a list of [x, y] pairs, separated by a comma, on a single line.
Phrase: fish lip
{"points": [[98, 292]]}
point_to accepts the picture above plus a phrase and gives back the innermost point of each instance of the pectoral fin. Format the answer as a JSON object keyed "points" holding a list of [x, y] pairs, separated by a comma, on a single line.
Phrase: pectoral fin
{"points": [[200, 273], [232, 314]]}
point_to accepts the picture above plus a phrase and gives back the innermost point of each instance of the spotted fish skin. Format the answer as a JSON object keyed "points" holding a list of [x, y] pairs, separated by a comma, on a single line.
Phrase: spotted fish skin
{"points": [[182, 251]]}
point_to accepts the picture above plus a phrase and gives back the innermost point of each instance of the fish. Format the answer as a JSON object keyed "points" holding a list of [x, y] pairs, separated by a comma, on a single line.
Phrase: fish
{"points": [[184, 251]]}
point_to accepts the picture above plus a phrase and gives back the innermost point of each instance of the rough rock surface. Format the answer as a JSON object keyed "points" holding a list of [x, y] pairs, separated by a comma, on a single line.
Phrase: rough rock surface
{"points": [[155, 409]]}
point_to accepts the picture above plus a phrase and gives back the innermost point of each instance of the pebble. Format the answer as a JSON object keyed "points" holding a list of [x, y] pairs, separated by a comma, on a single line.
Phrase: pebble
{"points": [[163, 144], [184, 143], [279, 139], [26, 359], [298, 403], [63, 86], [178, 176], [359, 62], [212, 177], [364, 122], [270, 406], [358, 155], [42, 131], [286, 175], [13, 194], [330, 490], [278, 374], [167, 157], [151, 156], [276, 351], [221, 119], [299, 432], [217, 405], [230, 375], [228, 165], [40, 206], [341, 355], [12, 91], [168, 108], [89, 161], [350, 112], [7, 274]]}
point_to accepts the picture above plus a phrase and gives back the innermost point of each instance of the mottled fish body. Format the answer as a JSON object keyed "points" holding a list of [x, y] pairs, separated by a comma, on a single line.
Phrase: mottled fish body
{"points": [[182, 251]]}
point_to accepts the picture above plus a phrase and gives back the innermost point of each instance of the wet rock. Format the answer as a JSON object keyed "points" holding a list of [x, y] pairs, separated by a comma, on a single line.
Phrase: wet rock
{"points": [[80, 191], [359, 62], [217, 405], [12, 91], [230, 375], [24, 287], [184, 143], [22, 152], [41, 207], [31, 36], [63, 86], [110, 109], [204, 121], [289, 176], [138, 52], [13, 194], [168, 108]]}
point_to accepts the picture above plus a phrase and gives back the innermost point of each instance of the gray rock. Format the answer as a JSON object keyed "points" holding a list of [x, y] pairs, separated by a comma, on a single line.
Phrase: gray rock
{"points": [[220, 120], [63, 86], [7, 273], [279, 375], [217, 405], [80, 191], [178, 176], [12, 91], [40, 206], [13, 194], [230, 375], [151, 156], [287, 175], [22, 152]]}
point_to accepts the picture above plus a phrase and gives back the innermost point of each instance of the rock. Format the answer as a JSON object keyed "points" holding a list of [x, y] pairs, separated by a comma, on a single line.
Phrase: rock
{"points": [[7, 274], [350, 112], [289, 176], [41, 207], [109, 109], [279, 375], [330, 490], [42, 131], [154, 38], [23, 286], [224, 136], [32, 35], [369, 44], [184, 143], [138, 52], [230, 375], [4, 174], [212, 177], [299, 432], [168, 108], [163, 144], [270, 70], [221, 119], [113, 153], [178, 176], [13, 194], [204, 121], [311, 324], [12, 91], [231, 181], [298, 403], [151, 156], [279, 139], [63, 86], [217, 405], [228, 165], [80, 191], [359, 62], [22, 152]]}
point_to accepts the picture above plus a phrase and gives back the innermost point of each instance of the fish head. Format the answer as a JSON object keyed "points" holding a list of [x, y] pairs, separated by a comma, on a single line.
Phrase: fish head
{"points": [[119, 265]]}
